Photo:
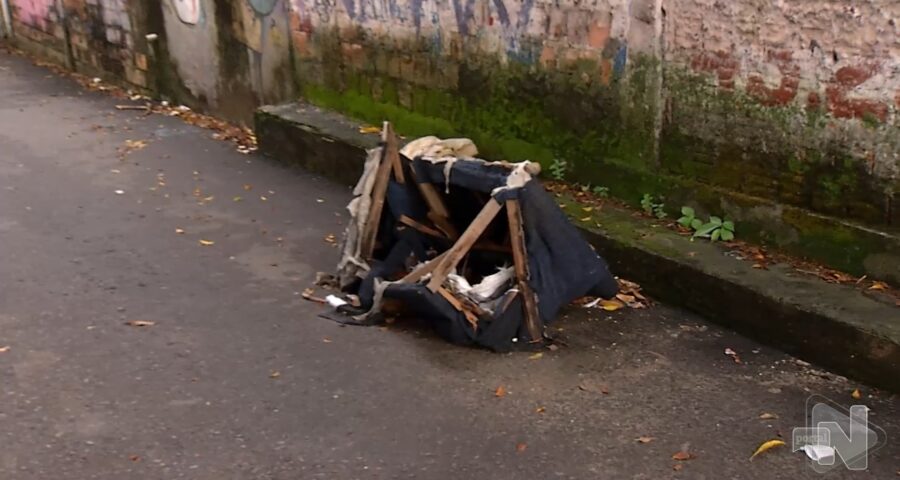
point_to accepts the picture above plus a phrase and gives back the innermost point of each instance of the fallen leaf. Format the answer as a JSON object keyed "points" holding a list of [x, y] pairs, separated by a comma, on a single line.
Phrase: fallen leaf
{"points": [[263, 198], [856, 394], [237, 198], [677, 467], [4, 349], [588, 386], [330, 238], [610, 305], [275, 374], [586, 219], [140, 323], [134, 458], [540, 410], [120, 192], [878, 286], [536, 356], [587, 209], [179, 231], [766, 446], [521, 447], [369, 129], [645, 439], [326, 340], [682, 456], [207, 243], [768, 416], [734, 356], [500, 392], [248, 187]]}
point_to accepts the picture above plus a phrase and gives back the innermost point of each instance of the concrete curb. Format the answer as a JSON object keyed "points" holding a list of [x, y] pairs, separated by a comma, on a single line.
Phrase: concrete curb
{"points": [[835, 326]]}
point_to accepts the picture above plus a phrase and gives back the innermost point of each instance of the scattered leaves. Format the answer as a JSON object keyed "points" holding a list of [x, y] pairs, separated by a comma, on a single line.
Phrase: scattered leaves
{"points": [[766, 446], [140, 323], [856, 394], [206, 243], [682, 455], [500, 392]]}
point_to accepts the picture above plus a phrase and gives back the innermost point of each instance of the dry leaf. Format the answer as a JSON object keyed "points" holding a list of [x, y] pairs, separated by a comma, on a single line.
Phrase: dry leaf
{"points": [[369, 129], [682, 455], [536, 356], [610, 305], [263, 198], [587, 209], [4, 349], [856, 394], [878, 286], [135, 458], [586, 219], [330, 238], [140, 323], [645, 439], [768, 416], [766, 446], [237, 198], [207, 243], [179, 231], [275, 374], [734, 356], [540, 410], [521, 447], [326, 340], [500, 392], [588, 386], [677, 467], [248, 187]]}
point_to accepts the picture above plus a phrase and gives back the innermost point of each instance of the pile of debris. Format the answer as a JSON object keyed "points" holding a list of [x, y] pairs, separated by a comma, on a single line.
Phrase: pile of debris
{"points": [[477, 248]]}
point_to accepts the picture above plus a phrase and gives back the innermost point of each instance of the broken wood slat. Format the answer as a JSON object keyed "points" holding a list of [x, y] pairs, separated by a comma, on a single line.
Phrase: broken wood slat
{"points": [[392, 152], [520, 260], [409, 222], [465, 242], [470, 316], [443, 224], [423, 269], [382, 177]]}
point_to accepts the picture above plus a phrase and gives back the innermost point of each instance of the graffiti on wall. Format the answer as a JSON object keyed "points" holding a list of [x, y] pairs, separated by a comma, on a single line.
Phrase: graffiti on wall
{"points": [[188, 11], [262, 7], [33, 12]]}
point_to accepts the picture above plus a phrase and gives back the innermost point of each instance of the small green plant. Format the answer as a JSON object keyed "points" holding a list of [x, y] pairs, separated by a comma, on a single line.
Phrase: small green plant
{"points": [[652, 207], [716, 229], [558, 169], [601, 191], [689, 219]]}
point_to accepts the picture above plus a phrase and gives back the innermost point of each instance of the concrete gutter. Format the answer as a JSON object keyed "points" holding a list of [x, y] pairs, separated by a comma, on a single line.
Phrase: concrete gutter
{"points": [[836, 326]]}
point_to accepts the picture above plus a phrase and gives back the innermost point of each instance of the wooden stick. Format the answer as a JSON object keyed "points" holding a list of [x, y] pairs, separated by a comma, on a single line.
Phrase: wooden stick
{"points": [[409, 222], [423, 269], [470, 316], [462, 246], [132, 107], [370, 232], [520, 259], [392, 152]]}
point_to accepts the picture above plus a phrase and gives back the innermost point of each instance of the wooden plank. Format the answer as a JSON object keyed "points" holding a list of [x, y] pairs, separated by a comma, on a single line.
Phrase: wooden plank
{"points": [[443, 224], [370, 232], [409, 222], [423, 269], [464, 243], [470, 316], [520, 259], [392, 152]]}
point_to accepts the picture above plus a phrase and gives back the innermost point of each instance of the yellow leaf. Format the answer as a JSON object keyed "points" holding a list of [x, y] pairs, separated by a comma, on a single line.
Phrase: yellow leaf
{"points": [[587, 209], [766, 446], [369, 129], [856, 394], [878, 286], [237, 199], [540, 410], [275, 374], [586, 219], [536, 356], [610, 305], [207, 243]]}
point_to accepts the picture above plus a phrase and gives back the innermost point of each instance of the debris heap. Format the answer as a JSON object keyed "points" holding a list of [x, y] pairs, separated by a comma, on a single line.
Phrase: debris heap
{"points": [[477, 248]]}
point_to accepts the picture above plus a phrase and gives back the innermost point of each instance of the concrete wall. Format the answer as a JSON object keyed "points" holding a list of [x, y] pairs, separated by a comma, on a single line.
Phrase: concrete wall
{"points": [[780, 114]]}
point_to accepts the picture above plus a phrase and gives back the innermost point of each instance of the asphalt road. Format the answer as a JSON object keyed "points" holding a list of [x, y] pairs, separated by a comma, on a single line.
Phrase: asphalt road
{"points": [[239, 378]]}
